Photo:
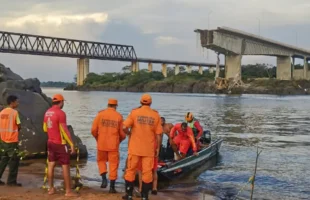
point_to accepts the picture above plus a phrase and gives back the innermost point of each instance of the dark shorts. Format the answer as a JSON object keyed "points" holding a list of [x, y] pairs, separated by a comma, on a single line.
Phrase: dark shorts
{"points": [[58, 152]]}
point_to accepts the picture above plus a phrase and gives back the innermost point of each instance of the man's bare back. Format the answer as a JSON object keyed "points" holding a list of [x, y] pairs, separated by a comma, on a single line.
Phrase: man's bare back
{"points": [[167, 128]]}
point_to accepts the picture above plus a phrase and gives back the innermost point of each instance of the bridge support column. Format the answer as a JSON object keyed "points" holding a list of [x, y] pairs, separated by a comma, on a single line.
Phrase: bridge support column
{"points": [[200, 70], [150, 67], [233, 66], [189, 69], [211, 70], [134, 66], [176, 70], [284, 68], [306, 68], [82, 70], [164, 69]]}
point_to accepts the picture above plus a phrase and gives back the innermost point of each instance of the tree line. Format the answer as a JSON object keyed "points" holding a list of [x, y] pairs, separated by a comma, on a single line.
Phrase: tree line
{"points": [[128, 78]]}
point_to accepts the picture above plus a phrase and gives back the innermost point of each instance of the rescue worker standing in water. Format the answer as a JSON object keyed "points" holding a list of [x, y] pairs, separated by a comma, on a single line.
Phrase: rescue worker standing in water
{"points": [[9, 128], [194, 124], [146, 130], [108, 131]]}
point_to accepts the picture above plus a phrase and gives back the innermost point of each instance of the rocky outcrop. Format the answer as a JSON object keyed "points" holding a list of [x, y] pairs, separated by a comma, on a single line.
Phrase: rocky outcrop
{"points": [[32, 106]]}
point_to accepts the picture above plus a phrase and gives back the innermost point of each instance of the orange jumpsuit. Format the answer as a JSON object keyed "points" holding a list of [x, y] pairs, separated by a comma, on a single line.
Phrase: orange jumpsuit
{"points": [[145, 126], [184, 139], [108, 131]]}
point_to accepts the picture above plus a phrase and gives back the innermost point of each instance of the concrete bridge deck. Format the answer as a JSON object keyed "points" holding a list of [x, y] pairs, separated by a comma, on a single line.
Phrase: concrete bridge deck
{"points": [[228, 40], [235, 43]]}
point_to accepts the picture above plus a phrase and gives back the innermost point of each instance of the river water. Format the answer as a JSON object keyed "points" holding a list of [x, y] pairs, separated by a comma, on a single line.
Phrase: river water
{"points": [[278, 125]]}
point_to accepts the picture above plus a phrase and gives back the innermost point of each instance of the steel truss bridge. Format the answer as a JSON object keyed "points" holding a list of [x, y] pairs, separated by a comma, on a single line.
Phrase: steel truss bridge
{"points": [[20, 43]]}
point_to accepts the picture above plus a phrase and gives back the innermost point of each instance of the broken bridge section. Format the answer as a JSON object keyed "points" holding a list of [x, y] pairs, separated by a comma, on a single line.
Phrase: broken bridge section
{"points": [[234, 44]]}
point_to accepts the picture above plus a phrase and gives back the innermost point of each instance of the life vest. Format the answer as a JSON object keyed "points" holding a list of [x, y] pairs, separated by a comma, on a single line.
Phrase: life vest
{"points": [[192, 126], [8, 126]]}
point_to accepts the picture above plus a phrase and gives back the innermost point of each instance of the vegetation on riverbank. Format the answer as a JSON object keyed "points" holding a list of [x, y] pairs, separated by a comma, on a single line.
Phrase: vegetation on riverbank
{"points": [[144, 81], [56, 84]]}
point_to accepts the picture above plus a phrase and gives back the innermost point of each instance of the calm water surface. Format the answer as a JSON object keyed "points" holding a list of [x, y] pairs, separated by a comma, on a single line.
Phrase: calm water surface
{"points": [[279, 125]]}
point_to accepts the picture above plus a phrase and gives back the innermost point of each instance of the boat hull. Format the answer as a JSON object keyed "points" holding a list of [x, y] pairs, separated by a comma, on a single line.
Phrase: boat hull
{"points": [[185, 166]]}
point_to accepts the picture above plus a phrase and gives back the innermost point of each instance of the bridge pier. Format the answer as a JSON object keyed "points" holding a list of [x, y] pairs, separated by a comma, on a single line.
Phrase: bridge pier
{"points": [[233, 66], [82, 70], [176, 70], [134, 66], [306, 67], [150, 67], [164, 69], [284, 68], [200, 70], [211, 70], [189, 69]]}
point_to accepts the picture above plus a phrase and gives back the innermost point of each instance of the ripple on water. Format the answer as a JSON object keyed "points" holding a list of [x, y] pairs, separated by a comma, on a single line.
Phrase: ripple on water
{"points": [[280, 125]]}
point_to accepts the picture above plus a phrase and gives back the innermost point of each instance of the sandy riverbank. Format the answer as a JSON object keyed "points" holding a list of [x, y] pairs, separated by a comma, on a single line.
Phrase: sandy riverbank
{"points": [[31, 176]]}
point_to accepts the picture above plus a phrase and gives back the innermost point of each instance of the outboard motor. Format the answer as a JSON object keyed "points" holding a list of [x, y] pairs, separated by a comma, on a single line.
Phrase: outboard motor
{"points": [[206, 137]]}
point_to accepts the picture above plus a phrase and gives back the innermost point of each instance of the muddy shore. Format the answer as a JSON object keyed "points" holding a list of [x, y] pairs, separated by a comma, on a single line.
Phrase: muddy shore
{"points": [[31, 173]]}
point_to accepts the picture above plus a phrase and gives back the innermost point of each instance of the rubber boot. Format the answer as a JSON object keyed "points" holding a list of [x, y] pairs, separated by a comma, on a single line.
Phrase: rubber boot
{"points": [[104, 183], [154, 192], [146, 187], [112, 187], [129, 190]]}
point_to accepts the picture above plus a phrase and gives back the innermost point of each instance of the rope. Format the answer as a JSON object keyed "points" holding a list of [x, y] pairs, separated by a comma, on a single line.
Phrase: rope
{"points": [[78, 185], [77, 177], [251, 179], [45, 175]]}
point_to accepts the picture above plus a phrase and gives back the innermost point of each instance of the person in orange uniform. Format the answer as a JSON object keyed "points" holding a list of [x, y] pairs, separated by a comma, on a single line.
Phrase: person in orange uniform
{"points": [[108, 131], [55, 125], [154, 171], [9, 128], [184, 139], [166, 130], [194, 124], [146, 130]]}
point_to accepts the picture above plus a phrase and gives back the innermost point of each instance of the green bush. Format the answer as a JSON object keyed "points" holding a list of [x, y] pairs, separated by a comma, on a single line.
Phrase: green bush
{"points": [[129, 79]]}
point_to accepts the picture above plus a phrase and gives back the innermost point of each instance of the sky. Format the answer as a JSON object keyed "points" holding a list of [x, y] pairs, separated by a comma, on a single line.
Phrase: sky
{"points": [[160, 29]]}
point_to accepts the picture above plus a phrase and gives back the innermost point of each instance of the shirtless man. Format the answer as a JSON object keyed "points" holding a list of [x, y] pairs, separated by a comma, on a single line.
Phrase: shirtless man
{"points": [[167, 128]]}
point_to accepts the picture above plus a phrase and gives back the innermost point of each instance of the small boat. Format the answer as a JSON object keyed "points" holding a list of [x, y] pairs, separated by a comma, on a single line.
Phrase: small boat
{"points": [[171, 170]]}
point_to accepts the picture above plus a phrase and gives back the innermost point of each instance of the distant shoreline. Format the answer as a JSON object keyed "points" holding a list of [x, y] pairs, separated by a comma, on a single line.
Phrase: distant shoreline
{"points": [[269, 86]]}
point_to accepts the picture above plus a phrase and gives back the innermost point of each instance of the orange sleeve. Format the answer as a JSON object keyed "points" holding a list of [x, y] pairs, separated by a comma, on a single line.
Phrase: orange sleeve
{"points": [[95, 126], [121, 131], [129, 121], [172, 131], [159, 128], [190, 134], [199, 128]]}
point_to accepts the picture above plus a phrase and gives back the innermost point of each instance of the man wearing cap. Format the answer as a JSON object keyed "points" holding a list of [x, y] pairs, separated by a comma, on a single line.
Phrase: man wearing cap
{"points": [[108, 131], [146, 131], [55, 124]]}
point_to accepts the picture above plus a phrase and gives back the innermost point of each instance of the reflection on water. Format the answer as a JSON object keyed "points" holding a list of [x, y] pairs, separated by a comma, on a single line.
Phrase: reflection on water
{"points": [[279, 125]]}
